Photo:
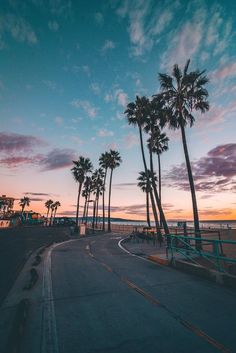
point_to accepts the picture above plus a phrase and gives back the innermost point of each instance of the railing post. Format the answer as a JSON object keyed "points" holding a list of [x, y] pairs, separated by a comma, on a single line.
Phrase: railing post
{"points": [[186, 240], [216, 252]]}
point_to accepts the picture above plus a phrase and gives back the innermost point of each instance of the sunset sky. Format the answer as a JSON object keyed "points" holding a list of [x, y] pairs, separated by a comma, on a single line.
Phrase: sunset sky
{"points": [[69, 68]]}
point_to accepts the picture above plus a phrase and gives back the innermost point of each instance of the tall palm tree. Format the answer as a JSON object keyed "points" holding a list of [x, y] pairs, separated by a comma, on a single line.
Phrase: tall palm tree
{"points": [[25, 201], [137, 114], [81, 167], [145, 186], [51, 216], [158, 143], [56, 205], [48, 204], [114, 162], [104, 163], [98, 180], [87, 188], [183, 92]]}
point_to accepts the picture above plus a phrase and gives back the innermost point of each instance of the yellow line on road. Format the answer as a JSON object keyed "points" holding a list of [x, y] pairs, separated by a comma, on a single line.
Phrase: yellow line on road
{"points": [[197, 331]]}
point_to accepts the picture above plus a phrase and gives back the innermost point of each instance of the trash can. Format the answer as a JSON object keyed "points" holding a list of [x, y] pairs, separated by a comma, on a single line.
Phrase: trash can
{"points": [[82, 229]]}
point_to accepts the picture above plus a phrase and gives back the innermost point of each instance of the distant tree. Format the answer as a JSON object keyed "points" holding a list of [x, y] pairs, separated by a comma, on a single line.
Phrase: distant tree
{"points": [[114, 162], [48, 204], [98, 181], [81, 167], [56, 205], [25, 201], [145, 186]]}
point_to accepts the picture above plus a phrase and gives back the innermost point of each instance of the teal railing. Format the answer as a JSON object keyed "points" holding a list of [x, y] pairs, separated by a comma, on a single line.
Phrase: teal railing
{"points": [[212, 250]]}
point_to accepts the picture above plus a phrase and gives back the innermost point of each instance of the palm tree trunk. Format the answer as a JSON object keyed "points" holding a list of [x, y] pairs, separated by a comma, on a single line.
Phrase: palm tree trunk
{"points": [[87, 208], [77, 210], [109, 203], [51, 218], [84, 212], [159, 181], [148, 213], [193, 194], [97, 211], [103, 200], [153, 184], [162, 216]]}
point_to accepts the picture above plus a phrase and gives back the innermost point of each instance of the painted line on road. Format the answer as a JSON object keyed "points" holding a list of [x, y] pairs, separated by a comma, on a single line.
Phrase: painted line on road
{"points": [[194, 329], [49, 341], [130, 253]]}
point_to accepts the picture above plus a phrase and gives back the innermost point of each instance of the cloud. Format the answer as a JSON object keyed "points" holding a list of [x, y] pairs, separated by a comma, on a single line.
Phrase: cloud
{"points": [[18, 28], [57, 159], [59, 120], [53, 26], [16, 161], [95, 88], [86, 106], [131, 140], [108, 45], [36, 193], [11, 142], [185, 41], [104, 133], [122, 98], [52, 85], [226, 71], [98, 16], [146, 22], [216, 172]]}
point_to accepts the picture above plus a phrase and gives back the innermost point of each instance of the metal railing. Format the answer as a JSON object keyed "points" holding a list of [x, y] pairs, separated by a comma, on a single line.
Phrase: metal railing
{"points": [[212, 251]]}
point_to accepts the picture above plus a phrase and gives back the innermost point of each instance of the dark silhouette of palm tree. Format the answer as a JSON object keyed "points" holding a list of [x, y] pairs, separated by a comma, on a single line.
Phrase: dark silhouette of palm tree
{"points": [[114, 162], [81, 167], [104, 163], [145, 186], [98, 182], [25, 201], [137, 114], [48, 204], [158, 143], [184, 92], [51, 216], [87, 188], [55, 206]]}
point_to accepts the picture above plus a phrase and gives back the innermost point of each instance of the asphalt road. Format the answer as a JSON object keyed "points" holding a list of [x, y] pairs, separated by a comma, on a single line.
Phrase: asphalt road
{"points": [[17, 243], [108, 301]]}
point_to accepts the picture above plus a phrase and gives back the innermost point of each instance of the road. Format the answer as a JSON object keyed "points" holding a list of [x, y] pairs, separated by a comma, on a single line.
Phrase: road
{"points": [[105, 300]]}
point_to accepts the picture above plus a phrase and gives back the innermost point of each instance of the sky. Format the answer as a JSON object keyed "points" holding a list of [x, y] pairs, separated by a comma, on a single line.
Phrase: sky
{"points": [[69, 68]]}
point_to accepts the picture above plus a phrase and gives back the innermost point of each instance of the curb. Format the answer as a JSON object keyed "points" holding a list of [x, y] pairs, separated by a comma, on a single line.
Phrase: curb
{"points": [[18, 329], [158, 260], [223, 279]]}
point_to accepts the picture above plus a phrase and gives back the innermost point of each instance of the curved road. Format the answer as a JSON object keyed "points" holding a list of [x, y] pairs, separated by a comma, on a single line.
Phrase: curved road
{"points": [[106, 301]]}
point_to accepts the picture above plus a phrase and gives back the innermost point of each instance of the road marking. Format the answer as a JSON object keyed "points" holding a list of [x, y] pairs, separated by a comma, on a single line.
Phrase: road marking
{"points": [[194, 329], [49, 343]]}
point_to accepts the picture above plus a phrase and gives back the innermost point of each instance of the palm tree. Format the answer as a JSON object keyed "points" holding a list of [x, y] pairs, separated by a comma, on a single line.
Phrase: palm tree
{"points": [[48, 204], [184, 92], [114, 162], [56, 205], [145, 186], [51, 216], [98, 181], [87, 188], [25, 201], [104, 163], [158, 143], [137, 114], [81, 167]]}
